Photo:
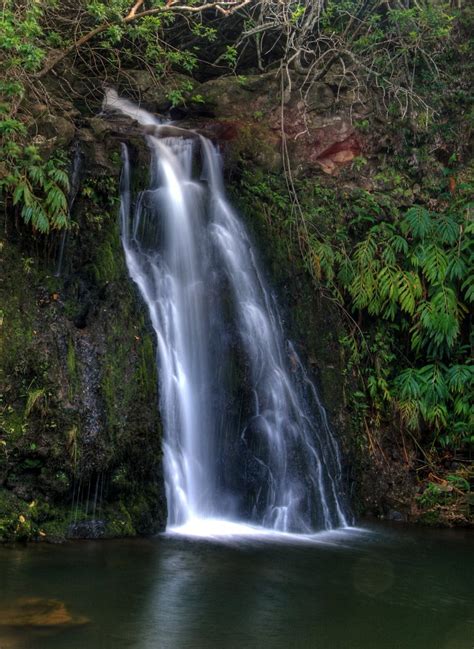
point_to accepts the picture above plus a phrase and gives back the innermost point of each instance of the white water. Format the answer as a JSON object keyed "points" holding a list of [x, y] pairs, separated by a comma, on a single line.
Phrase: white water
{"points": [[247, 444]]}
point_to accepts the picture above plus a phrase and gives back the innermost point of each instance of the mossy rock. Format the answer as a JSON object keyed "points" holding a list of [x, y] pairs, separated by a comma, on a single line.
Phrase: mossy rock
{"points": [[79, 383]]}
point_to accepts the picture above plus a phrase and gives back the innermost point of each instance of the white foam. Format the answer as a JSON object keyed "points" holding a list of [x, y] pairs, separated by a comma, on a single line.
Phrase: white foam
{"points": [[224, 530]]}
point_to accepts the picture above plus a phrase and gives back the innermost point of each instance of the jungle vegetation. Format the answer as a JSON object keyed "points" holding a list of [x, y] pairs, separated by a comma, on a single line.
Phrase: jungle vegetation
{"points": [[403, 275]]}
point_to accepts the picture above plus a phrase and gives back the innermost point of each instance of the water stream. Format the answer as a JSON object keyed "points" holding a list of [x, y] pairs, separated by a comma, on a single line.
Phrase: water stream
{"points": [[275, 465]]}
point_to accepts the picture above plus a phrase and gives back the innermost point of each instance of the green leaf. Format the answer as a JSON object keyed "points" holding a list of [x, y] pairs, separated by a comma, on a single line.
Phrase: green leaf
{"points": [[417, 221], [435, 264]]}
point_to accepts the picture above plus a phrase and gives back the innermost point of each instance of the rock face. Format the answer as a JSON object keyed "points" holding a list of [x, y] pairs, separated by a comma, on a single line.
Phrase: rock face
{"points": [[80, 437], [252, 115]]}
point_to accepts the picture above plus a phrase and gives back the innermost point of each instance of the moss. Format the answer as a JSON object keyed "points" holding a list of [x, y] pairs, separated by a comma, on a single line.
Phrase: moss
{"points": [[431, 517], [71, 359], [53, 531], [17, 330], [119, 523], [107, 266], [311, 320], [46, 522], [11, 508], [72, 369], [27, 521], [255, 142], [78, 380], [146, 372]]}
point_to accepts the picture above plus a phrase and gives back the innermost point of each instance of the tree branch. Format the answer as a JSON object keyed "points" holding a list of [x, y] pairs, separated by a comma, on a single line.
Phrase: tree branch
{"points": [[226, 7], [135, 8]]}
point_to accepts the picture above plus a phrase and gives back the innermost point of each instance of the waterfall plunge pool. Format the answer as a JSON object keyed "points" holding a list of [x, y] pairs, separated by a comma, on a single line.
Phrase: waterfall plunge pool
{"points": [[382, 587]]}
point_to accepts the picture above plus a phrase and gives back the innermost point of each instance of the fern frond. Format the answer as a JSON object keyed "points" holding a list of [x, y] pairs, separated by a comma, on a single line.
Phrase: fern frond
{"points": [[468, 288], [409, 290], [409, 384], [417, 222], [459, 378], [435, 264], [446, 229], [399, 244], [456, 268]]}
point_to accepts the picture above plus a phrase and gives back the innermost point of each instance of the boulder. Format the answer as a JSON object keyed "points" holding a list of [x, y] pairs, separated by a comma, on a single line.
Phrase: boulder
{"points": [[94, 529], [56, 129], [158, 94]]}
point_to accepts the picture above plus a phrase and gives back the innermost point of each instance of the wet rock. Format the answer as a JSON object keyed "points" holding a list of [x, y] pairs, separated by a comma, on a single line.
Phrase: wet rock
{"points": [[337, 76], [94, 529], [248, 120], [99, 127], [395, 516]]}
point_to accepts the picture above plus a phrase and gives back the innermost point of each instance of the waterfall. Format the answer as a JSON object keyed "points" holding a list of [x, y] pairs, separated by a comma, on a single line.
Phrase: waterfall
{"points": [[246, 439]]}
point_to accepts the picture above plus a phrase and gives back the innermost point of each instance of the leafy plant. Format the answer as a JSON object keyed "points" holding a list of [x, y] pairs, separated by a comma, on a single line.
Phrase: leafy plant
{"points": [[410, 274], [36, 187], [39, 189]]}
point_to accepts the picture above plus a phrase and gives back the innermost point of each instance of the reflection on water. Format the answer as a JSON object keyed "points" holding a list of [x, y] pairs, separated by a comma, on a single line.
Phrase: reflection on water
{"points": [[388, 589]]}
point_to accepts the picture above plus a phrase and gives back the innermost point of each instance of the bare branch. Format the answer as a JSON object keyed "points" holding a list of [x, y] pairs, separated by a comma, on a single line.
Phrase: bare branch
{"points": [[135, 8]]}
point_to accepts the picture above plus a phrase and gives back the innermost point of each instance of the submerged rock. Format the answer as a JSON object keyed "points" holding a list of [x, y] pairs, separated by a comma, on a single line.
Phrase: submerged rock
{"points": [[39, 612]]}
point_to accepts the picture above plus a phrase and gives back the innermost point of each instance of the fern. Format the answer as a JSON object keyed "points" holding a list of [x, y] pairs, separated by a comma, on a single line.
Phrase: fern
{"points": [[408, 384], [388, 286], [460, 378], [399, 244], [38, 189], [456, 269], [413, 275], [447, 229], [468, 288], [365, 251], [417, 222], [434, 263], [409, 290]]}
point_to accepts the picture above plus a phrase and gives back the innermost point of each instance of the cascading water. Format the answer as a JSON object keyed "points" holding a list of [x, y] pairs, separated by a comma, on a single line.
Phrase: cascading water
{"points": [[269, 458]]}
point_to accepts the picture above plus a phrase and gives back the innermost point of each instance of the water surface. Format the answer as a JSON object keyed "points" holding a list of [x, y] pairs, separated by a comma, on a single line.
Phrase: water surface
{"points": [[383, 588]]}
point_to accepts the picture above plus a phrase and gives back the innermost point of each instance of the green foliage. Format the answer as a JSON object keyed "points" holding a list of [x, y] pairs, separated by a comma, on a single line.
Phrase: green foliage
{"points": [[230, 56], [451, 495], [397, 48], [20, 30], [177, 95], [408, 278], [37, 188], [403, 278]]}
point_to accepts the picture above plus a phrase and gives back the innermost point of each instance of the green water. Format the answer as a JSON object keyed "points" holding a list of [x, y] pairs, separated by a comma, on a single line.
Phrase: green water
{"points": [[386, 588]]}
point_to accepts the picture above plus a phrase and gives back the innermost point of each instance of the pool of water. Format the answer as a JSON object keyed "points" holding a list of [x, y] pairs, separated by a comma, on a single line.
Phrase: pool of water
{"points": [[380, 587]]}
